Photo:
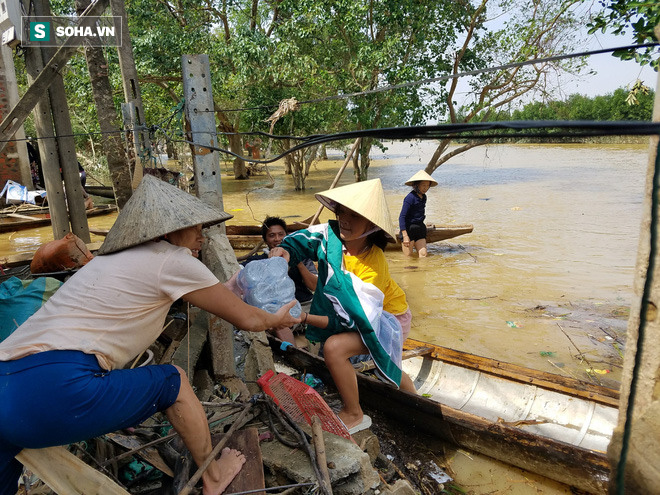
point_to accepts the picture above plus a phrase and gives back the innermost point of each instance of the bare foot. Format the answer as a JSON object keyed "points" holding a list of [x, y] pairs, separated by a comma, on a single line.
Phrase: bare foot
{"points": [[230, 463]]}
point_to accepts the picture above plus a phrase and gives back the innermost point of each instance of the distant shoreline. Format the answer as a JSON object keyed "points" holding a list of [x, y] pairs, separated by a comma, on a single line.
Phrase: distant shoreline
{"points": [[570, 140]]}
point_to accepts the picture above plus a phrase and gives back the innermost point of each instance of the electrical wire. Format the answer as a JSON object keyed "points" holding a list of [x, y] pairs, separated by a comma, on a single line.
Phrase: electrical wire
{"points": [[580, 128], [447, 77]]}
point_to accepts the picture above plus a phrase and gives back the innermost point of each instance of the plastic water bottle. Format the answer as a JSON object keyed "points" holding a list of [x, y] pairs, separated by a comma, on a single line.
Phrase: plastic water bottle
{"points": [[266, 285]]}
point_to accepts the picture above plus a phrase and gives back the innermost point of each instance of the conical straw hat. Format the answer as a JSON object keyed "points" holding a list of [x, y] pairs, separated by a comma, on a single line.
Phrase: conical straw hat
{"points": [[421, 175], [157, 208], [366, 198]]}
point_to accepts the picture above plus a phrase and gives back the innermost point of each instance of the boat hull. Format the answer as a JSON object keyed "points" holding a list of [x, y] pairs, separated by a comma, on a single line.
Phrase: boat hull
{"points": [[506, 441], [15, 222], [249, 236]]}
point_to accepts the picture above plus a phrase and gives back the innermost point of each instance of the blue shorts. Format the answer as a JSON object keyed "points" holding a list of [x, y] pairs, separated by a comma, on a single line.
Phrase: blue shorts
{"points": [[60, 397]]}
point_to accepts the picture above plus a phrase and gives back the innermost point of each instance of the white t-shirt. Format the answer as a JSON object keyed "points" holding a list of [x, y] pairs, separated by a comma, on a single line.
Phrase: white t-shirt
{"points": [[114, 307]]}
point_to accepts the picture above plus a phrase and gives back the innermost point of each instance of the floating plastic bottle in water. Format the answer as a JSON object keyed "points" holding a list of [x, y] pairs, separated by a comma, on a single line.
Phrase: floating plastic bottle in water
{"points": [[266, 285]]}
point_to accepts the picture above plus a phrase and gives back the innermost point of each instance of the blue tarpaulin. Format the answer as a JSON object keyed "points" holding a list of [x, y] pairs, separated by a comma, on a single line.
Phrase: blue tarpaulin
{"points": [[20, 299]]}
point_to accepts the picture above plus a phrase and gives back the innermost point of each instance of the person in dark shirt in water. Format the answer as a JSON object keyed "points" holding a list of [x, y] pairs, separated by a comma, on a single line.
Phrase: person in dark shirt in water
{"points": [[413, 213]]}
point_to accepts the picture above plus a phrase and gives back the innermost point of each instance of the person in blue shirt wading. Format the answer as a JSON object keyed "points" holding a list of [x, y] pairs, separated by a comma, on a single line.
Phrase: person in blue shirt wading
{"points": [[411, 218]]}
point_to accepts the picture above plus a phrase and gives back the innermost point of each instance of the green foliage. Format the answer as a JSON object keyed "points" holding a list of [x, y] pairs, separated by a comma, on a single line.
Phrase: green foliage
{"points": [[631, 16], [613, 106], [317, 50]]}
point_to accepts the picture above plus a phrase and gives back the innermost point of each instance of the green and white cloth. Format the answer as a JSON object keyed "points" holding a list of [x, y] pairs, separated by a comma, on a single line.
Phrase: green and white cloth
{"points": [[349, 303]]}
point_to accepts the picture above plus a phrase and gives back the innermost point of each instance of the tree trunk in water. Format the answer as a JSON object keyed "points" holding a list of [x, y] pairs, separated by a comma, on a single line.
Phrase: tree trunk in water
{"points": [[362, 168], [356, 164], [171, 151], [235, 145], [109, 121], [433, 162], [240, 171]]}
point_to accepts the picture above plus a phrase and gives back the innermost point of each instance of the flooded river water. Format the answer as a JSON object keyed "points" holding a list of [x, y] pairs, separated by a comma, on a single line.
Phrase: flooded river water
{"points": [[544, 280]]}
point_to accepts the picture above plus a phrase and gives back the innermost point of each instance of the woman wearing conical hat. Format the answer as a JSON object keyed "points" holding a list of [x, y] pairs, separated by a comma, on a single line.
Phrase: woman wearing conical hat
{"points": [[413, 213], [62, 376], [357, 308]]}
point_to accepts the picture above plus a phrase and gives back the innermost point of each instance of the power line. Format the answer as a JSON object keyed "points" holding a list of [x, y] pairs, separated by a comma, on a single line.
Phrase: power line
{"points": [[504, 129], [453, 76]]}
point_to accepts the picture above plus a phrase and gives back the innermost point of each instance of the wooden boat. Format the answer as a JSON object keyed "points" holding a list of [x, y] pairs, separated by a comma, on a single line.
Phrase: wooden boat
{"points": [[248, 236], [548, 424], [31, 219], [102, 191]]}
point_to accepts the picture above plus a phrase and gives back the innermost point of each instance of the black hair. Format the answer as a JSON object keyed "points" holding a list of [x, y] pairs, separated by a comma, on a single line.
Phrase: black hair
{"points": [[378, 239], [269, 222]]}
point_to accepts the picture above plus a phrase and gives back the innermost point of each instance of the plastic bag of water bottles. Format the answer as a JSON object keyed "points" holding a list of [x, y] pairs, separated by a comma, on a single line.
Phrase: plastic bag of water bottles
{"points": [[266, 285]]}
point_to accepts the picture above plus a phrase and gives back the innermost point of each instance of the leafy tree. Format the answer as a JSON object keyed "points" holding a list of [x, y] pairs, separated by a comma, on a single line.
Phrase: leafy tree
{"points": [[538, 29], [638, 17], [612, 106], [373, 45]]}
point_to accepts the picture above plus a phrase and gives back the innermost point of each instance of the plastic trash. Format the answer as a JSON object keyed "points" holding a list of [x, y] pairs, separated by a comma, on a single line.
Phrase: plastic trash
{"points": [[311, 380], [266, 285], [438, 474]]}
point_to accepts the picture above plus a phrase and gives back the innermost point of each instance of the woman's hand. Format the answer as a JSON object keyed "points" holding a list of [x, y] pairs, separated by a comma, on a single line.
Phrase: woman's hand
{"points": [[284, 318], [405, 241], [232, 284], [279, 252]]}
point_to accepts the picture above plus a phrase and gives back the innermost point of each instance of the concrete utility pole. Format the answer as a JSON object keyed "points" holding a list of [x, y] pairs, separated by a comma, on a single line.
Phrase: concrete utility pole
{"points": [[201, 117], [217, 253], [50, 160], [635, 447], [132, 95]]}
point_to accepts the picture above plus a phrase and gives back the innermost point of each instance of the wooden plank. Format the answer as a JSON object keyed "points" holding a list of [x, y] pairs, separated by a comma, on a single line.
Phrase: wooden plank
{"points": [[63, 472], [548, 381], [251, 476], [149, 454], [411, 353], [18, 215], [14, 119]]}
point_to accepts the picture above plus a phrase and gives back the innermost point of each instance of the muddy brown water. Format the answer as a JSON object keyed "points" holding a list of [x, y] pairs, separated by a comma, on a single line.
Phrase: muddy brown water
{"points": [[544, 281]]}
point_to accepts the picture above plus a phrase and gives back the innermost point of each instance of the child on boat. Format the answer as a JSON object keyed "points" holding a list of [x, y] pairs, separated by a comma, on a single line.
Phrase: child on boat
{"points": [[355, 298], [411, 218], [61, 372]]}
